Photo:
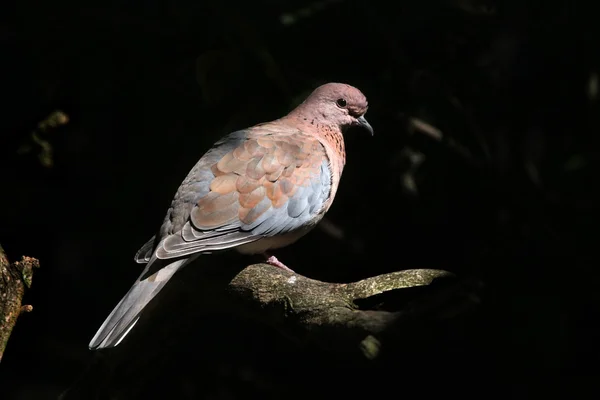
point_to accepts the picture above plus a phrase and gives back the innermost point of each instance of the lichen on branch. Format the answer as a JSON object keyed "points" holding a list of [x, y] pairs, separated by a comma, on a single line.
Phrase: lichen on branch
{"points": [[14, 279]]}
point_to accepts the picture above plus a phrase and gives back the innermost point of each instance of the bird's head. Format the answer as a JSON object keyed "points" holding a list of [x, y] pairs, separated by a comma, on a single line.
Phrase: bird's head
{"points": [[338, 104]]}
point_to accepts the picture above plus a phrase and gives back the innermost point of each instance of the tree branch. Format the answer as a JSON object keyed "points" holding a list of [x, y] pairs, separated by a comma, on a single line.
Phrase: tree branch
{"points": [[196, 316], [325, 314], [14, 278]]}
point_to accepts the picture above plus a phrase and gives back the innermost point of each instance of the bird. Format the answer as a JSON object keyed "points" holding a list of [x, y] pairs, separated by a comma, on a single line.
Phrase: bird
{"points": [[255, 190]]}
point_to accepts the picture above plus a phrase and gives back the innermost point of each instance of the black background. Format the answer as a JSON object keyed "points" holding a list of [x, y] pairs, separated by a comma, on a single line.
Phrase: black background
{"points": [[148, 87]]}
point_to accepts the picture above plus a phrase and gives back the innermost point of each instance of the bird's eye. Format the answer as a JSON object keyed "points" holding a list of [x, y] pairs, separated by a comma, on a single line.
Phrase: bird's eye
{"points": [[341, 103]]}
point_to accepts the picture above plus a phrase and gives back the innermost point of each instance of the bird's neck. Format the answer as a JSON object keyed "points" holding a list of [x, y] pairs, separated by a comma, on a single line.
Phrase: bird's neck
{"points": [[329, 134]]}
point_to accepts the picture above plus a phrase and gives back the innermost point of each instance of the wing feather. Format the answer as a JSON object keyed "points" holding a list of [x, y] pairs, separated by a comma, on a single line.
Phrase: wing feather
{"points": [[252, 184]]}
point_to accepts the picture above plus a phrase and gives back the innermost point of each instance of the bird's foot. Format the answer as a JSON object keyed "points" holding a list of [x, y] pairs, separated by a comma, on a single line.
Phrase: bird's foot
{"points": [[272, 260]]}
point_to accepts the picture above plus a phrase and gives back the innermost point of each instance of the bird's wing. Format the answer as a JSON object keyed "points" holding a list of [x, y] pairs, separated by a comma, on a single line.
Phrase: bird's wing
{"points": [[255, 183]]}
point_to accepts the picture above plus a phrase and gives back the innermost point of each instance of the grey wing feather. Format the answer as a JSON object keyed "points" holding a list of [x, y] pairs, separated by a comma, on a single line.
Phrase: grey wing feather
{"points": [[197, 184], [144, 254]]}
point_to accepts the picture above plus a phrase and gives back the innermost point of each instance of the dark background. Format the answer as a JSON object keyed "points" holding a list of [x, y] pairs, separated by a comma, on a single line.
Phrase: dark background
{"points": [[507, 197]]}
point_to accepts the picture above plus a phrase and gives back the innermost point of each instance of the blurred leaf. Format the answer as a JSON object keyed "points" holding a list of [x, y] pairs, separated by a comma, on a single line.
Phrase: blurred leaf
{"points": [[45, 155]]}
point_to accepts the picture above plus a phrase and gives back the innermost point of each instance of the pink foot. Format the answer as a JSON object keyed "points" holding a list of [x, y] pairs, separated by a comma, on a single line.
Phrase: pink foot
{"points": [[272, 260]]}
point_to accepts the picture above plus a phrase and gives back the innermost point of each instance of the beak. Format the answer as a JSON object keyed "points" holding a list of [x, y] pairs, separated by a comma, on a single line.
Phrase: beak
{"points": [[362, 122]]}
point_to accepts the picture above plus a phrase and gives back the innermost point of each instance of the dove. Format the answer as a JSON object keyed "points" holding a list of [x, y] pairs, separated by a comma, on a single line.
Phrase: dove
{"points": [[256, 190]]}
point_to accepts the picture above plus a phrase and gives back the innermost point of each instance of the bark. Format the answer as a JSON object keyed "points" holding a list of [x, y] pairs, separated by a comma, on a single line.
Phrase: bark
{"points": [[14, 279]]}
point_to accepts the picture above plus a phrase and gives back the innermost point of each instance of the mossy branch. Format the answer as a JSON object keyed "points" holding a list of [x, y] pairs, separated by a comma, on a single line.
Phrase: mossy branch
{"points": [[14, 278], [325, 314]]}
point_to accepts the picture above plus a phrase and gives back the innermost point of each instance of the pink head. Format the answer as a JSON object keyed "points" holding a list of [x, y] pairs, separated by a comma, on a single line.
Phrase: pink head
{"points": [[335, 104]]}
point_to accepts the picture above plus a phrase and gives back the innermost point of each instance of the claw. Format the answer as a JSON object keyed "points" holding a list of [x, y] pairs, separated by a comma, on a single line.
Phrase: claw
{"points": [[272, 260]]}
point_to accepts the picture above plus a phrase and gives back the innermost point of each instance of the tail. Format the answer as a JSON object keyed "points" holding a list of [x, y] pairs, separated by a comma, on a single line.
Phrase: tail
{"points": [[124, 316]]}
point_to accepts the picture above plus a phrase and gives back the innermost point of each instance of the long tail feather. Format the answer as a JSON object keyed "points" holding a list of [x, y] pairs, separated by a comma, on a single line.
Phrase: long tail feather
{"points": [[124, 316]]}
